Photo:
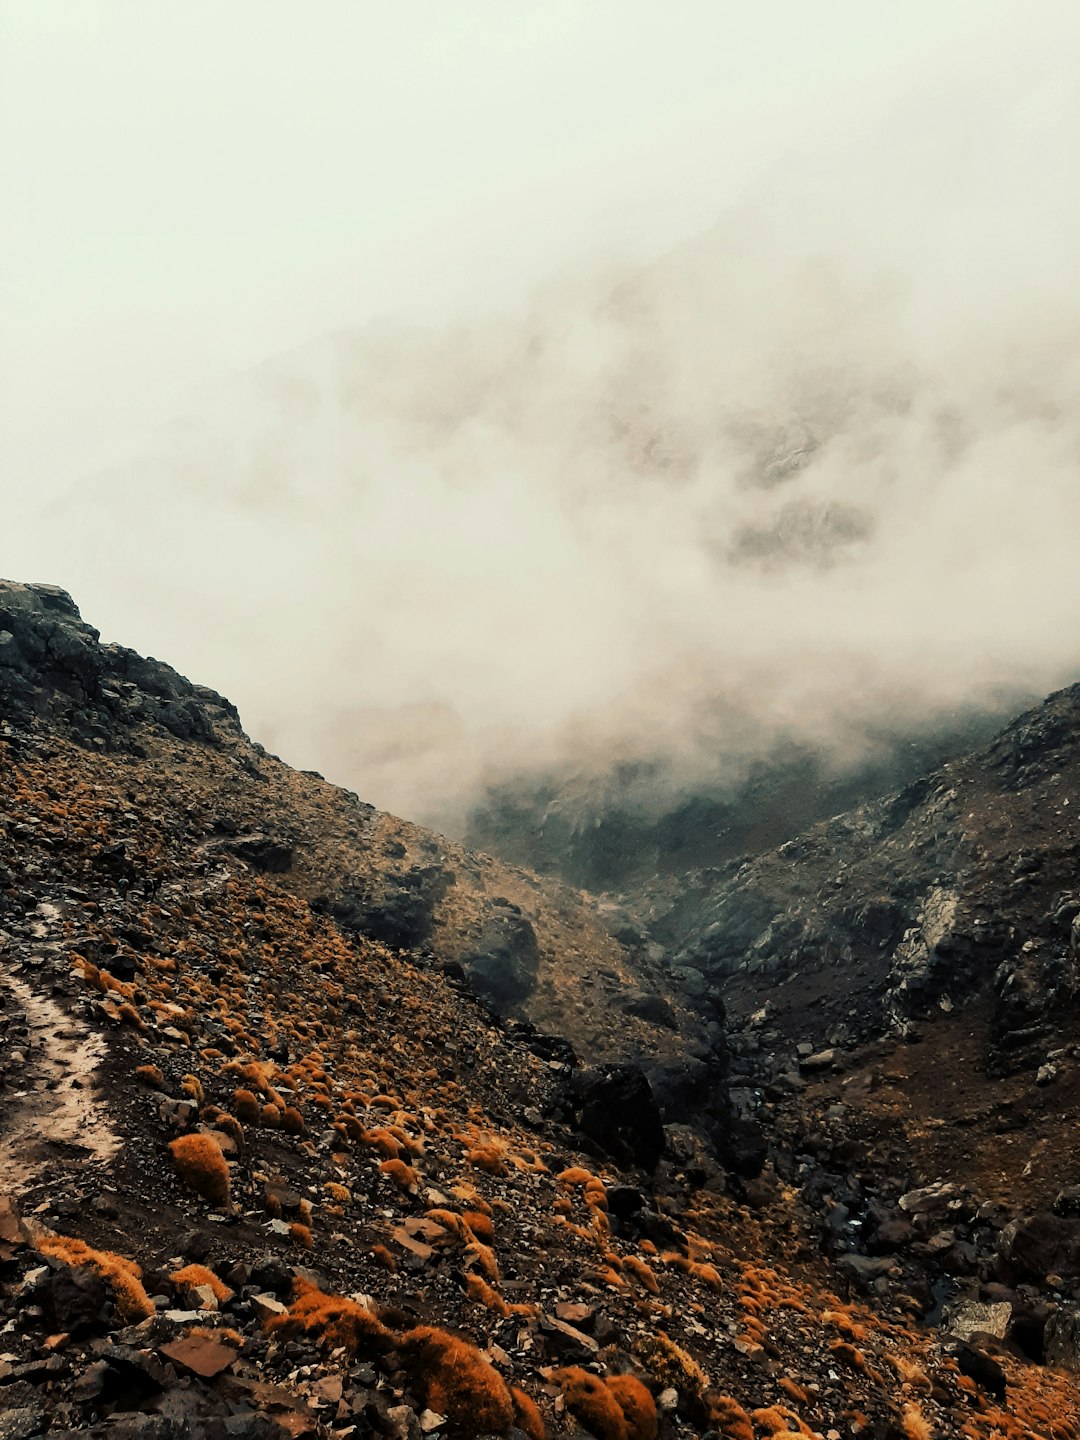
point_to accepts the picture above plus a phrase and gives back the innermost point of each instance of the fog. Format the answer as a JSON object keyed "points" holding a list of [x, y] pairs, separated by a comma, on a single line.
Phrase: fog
{"points": [[735, 453]]}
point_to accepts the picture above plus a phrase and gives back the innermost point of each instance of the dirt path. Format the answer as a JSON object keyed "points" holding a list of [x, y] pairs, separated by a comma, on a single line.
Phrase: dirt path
{"points": [[48, 1101]]}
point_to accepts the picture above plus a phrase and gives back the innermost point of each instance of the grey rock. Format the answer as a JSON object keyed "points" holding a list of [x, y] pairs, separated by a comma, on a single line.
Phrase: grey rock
{"points": [[1062, 1338], [965, 1318], [864, 1269], [22, 1423]]}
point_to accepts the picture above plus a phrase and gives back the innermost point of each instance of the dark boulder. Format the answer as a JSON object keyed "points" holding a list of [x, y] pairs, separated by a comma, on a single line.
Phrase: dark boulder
{"points": [[73, 1298], [1042, 1245], [501, 965], [977, 1365], [614, 1106], [653, 1009]]}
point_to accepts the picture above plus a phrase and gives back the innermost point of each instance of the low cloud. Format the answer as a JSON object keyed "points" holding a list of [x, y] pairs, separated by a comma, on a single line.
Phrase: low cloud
{"points": [[811, 477]]}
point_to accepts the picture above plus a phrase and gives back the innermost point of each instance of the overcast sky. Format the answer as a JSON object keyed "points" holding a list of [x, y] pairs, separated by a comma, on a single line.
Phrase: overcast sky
{"points": [[189, 188], [530, 522]]}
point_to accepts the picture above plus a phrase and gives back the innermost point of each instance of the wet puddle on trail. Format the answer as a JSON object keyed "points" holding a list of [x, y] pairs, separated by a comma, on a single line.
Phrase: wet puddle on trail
{"points": [[54, 1103]]}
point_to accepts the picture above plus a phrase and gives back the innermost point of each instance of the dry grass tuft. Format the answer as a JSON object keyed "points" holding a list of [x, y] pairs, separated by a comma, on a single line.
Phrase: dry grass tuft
{"points": [[457, 1381], [527, 1415], [202, 1167], [592, 1402], [192, 1276], [730, 1419], [332, 1320], [637, 1405]]}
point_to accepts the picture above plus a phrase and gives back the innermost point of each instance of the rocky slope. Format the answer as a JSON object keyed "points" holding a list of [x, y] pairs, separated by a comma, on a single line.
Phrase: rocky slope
{"points": [[285, 1152]]}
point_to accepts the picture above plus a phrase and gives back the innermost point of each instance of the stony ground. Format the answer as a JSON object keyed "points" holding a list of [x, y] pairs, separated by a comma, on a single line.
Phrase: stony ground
{"points": [[267, 1174]]}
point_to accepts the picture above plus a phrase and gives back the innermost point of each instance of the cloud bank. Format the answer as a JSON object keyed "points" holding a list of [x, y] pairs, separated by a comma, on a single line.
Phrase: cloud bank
{"points": [[810, 477]]}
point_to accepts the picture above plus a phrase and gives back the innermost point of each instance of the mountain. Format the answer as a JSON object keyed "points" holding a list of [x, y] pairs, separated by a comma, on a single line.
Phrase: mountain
{"points": [[313, 1122]]}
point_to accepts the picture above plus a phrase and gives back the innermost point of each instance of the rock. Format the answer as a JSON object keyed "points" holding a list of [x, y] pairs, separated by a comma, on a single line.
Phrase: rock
{"points": [[403, 1423], [202, 1297], [569, 1344], [614, 1106], [1062, 1338], [1046, 1075], [180, 1114], [1067, 1202], [653, 1009], [22, 1423], [266, 1306], [933, 959], [822, 1060], [73, 1298], [865, 1269], [624, 1201], [977, 1365], [263, 852], [271, 1273], [10, 1227], [891, 1235], [131, 1371], [744, 1148], [502, 964], [930, 1200], [205, 1358], [1041, 1245], [965, 1318]]}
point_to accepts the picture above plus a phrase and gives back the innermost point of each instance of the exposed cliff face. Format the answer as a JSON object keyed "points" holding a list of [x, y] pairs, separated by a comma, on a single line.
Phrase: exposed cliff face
{"points": [[841, 1068], [913, 905]]}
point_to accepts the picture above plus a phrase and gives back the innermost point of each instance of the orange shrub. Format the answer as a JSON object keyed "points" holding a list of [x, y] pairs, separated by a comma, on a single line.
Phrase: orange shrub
{"points": [[229, 1125], [292, 1122], [481, 1291], [527, 1414], [457, 1381], [193, 1275], [382, 1256], [488, 1158], [641, 1273], [729, 1417], [574, 1176], [333, 1320], [591, 1401], [480, 1225], [247, 1106], [202, 1167], [151, 1075], [637, 1405], [401, 1174]]}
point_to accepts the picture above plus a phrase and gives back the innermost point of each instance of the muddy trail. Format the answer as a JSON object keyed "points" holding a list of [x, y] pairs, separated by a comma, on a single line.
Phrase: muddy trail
{"points": [[49, 1105]]}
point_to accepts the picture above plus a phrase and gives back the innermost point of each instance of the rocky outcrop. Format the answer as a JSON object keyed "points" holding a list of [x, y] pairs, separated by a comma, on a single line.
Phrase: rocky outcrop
{"points": [[53, 664]]}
